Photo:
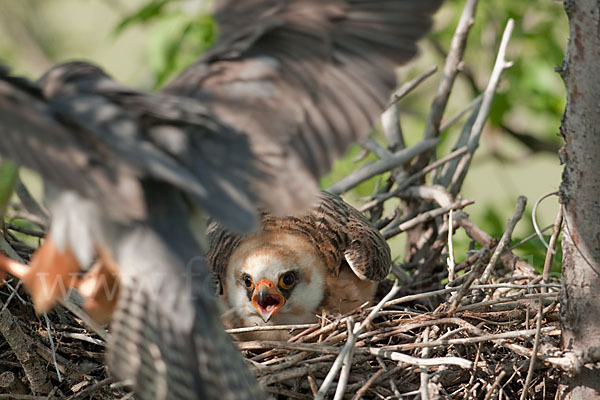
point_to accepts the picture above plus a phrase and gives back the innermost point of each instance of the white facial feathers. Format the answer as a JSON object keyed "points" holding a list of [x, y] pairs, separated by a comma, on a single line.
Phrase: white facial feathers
{"points": [[268, 256]]}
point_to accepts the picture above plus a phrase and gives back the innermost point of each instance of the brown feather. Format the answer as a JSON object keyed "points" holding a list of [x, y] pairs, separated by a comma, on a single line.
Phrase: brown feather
{"points": [[333, 227]]}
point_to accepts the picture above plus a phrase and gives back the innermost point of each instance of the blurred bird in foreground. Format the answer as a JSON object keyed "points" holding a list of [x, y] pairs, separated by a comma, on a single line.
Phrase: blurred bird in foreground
{"points": [[251, 125]]}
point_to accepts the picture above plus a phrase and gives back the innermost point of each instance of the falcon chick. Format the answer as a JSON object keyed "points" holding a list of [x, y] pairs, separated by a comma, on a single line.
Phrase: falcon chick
{"points": [[328, 259]]}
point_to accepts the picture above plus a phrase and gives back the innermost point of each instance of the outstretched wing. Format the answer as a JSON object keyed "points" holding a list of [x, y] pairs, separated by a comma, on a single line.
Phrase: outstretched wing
{"points": [[126, 134], [304, 79], [34, 136]]}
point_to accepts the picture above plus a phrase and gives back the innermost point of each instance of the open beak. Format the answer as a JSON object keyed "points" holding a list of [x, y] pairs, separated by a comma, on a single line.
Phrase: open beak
{"points": [[267, 299]]}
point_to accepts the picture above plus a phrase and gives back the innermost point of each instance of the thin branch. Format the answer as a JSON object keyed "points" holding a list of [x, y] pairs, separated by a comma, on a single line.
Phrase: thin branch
{"points": [[426, 216], [538, 231], [505, 239], [451, 68], [540, 315], [379, 199], [501, 64], [370, 170], [358, 328], [409, 86], [346, 366]]}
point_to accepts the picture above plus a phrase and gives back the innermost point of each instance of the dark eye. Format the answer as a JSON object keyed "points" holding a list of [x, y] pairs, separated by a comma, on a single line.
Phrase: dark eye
{"points": [[287, 280], [247, 281]]}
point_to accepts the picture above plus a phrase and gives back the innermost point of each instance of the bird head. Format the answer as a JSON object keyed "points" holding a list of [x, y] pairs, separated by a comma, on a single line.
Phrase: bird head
{"points": [[268, 297], [280, 281]]}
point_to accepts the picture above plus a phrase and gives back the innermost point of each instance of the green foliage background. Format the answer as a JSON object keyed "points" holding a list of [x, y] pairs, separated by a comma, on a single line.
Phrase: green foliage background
{"points": [[145, 42]]}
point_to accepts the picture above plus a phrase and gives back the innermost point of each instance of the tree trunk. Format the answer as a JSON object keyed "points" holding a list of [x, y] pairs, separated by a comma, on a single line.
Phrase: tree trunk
{"points": [[580, 194]]}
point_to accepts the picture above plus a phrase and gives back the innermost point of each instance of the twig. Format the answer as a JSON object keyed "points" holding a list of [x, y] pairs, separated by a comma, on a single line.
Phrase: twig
{"points": [[368, 384], [505, 239], [423, 362], [424, 375], [481, 237], [346, 365], [412, 179], [473, 275], [458, 175], [528, 238], [495, 386], [93, 388], [377, 149], [450, 263], [550, 330], [358, 328], [409, 86], [370, 170], [476, 102], [23, 347], [451, 68], [550, 253], [52, 349], [540, 315], [260, 328], [534, 219], [390, 232]]}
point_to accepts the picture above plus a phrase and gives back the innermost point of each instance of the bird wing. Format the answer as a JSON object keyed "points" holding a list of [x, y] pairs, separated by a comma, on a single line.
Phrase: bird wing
{"points": [[125, 133], [304, 79], [341, 234], [166, 334], [33, 135]]}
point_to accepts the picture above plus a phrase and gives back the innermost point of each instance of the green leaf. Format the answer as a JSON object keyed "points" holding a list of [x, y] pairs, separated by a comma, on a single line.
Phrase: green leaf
{"points": [[150, 11]]}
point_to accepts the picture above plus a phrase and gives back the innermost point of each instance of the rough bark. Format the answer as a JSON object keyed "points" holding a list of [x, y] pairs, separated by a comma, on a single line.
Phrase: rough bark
{"points": [[580, 194]]}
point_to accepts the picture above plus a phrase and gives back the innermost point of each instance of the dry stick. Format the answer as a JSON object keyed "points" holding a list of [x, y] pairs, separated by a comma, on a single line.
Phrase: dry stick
{"points": [[540, 315], [505, 239], [409, 86], [529, 237], [85, 318], [52, 349], [424, 375], [488, 95], [377, 149], [534, 220], [390, 121], [496, 384], [347, 364], [358, 328], [426, 216], [451, 264], [420, 362], [368, 384], [392, 130], [451, 68], [476, 102], [376, 168], [413, 178], [92, 388], [270, 328], [473, 275], [508, 301], [484, 239], [549, 330], [23, 346]]}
